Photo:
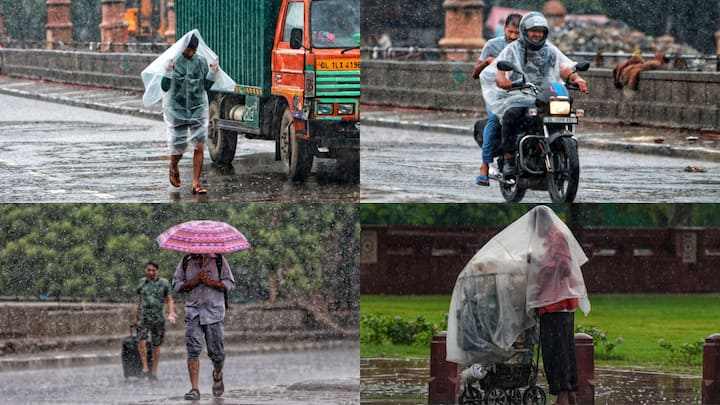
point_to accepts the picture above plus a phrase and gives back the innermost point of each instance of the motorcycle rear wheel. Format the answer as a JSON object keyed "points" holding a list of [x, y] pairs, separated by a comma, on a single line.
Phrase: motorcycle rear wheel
{"points": [[563, 184]]}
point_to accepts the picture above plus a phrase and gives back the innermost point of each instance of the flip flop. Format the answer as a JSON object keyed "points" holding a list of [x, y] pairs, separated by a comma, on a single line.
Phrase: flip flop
{"points": [[199, 190], [482, 180], [193, 395], [218, 387], [175, 177]]}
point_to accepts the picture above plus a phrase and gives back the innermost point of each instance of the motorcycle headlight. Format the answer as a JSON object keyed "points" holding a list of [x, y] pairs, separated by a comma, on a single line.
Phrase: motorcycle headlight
{"points": [[559, 107], [346, 109], [324, 109]]}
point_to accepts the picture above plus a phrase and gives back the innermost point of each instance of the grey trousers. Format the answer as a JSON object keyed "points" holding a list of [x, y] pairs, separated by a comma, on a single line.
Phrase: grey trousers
{"points": [[213, 335]]}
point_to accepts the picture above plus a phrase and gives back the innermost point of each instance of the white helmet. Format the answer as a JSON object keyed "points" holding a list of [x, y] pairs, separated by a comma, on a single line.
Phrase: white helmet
{"points": [[533, 20]]}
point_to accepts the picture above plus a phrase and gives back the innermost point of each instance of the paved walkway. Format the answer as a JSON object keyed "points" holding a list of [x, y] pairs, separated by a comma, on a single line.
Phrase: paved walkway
{"points": [[661, 141], [317, 392]]}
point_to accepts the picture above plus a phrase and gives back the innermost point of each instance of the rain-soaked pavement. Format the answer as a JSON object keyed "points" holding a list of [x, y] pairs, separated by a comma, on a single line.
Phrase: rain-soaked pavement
{"points": [[328, 376], [421, 165], [51, 152], [392, 381]]}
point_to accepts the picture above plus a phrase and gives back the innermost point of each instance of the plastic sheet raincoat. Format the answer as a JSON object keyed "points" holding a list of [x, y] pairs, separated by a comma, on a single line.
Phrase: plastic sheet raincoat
{"points": [[543, 66], [184, 95], [497, 293]]}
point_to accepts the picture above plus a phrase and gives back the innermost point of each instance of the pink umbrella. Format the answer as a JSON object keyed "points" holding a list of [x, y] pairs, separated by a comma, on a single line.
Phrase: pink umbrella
{"points": [[203, 237]]}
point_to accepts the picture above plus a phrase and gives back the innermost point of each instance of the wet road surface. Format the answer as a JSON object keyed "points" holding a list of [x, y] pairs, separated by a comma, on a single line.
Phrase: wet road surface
{"points": [[419, 166], [392, 381], [259, 378], [56, 153]]}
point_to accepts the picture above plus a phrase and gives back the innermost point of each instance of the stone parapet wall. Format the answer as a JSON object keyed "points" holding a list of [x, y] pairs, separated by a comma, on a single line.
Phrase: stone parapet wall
{"points": [[664, 98], [58, 320], [111, 70]]}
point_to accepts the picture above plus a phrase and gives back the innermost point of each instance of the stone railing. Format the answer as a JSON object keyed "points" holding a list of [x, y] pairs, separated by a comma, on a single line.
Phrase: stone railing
{"points": [[63, 320], [111, 70], [664, 98]]}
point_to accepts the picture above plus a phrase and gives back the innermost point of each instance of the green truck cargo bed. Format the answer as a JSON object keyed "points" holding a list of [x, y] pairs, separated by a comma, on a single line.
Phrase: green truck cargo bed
{"points": [[240, 31]]}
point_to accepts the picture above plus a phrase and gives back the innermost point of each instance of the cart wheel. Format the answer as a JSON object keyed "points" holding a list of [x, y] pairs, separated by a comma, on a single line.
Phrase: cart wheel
{"points": [[515, 396], [471, 395], [534, 396], [496, 396]]}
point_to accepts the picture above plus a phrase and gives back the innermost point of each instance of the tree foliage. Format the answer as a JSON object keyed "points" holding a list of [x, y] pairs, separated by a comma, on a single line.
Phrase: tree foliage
{"points": [[99, 251], [26, 19], [694, 25]]}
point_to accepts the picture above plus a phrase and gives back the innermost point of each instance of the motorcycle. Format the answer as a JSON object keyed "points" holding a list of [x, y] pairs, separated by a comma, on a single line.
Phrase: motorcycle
{"points": [[547, 152]]}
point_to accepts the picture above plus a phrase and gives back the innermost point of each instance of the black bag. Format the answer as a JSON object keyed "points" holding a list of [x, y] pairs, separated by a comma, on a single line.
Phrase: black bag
{"points": [[132, 366]]}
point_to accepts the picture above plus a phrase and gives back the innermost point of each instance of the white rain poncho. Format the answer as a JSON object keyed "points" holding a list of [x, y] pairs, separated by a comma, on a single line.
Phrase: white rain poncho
{"points": [[533, 262], [185, 104], [500, 100]]}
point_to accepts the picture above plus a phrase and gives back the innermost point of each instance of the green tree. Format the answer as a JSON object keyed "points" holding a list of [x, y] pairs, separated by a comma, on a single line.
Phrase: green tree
{"points": [[25, 20], [98, 251]]}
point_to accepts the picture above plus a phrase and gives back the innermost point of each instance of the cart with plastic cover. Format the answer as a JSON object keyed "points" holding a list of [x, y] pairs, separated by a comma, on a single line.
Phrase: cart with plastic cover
{"points": [[492, 306]]}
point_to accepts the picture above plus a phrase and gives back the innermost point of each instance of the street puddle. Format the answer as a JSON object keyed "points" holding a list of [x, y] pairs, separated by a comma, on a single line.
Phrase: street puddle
{"points": [[393, 381]]}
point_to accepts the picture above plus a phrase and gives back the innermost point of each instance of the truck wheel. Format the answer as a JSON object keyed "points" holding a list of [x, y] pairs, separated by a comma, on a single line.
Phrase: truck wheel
{"points": [[221, 143], [348, 166], [295, 153]]}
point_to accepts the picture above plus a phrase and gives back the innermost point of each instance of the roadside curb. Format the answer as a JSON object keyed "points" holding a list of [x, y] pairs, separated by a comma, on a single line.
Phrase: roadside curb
{"points": [[144, 113], [617, 146], [417, 125], [74, 359]]}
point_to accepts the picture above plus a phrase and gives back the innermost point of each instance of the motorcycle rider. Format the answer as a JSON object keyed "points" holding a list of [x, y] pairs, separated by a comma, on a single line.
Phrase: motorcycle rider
{"points": [[492, 48], [541, 62]]}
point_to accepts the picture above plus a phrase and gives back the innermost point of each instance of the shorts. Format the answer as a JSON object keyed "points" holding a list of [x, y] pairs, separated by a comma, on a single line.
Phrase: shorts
{"points": [[213, 334], [183, 134], [155, 328]]}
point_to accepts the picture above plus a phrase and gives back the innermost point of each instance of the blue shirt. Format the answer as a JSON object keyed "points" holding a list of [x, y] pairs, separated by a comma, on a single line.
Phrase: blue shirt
{"points": [[203, 301], [493, 47]]}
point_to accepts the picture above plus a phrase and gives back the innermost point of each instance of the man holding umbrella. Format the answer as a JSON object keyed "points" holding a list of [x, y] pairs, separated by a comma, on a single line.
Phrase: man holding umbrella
{"points": [[198, 275]]}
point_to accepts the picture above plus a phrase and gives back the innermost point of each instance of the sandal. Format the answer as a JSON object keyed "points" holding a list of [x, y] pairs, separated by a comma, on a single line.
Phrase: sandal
{"points": [[482, 180], [193, 395], [199, 190], [218, 387], [174, 176]]}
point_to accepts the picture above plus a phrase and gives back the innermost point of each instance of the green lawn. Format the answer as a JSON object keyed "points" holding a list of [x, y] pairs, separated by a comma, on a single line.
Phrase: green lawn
{"points": [[640, 319]]}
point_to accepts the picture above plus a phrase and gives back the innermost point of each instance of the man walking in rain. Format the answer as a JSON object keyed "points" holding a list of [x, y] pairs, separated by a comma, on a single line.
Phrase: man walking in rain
{"points": [[206, 284], [187, 80], [152, 292]]}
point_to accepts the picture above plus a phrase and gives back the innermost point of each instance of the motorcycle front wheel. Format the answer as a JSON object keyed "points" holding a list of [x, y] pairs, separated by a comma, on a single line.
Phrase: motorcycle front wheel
{"points": [[512, 193], [563, 182]]}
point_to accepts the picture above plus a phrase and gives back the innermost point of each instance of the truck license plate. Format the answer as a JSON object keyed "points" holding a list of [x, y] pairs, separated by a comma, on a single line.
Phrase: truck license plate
{"points": [[338, 64], [560, 120]]}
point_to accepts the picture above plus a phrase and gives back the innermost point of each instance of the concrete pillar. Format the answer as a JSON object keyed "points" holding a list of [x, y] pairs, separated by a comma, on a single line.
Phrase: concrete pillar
{"points": [[59, 24], [463, 27], [170, 31], [585, 355], [444, 383], [711, 370], [113, 28]]}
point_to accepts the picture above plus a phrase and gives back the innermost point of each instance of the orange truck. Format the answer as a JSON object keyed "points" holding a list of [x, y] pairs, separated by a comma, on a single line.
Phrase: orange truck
{"points": [[146, 21], [297, 68]]}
